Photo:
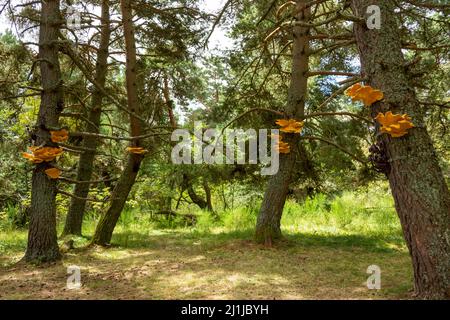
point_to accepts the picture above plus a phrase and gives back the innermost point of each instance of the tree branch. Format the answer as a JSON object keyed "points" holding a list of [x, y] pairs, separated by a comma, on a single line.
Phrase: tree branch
{"points": [[103, 136], [318, 114], [79, 198], [216, 23], [332, 73], [86, 182], [336, 146]]}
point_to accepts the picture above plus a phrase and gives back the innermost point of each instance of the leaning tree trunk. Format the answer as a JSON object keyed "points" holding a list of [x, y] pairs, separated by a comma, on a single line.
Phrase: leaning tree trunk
{"points": [[188, 185], [269, 219], [42, 240], [207, 189], [108, 221], [77, 207], [421, 195]]}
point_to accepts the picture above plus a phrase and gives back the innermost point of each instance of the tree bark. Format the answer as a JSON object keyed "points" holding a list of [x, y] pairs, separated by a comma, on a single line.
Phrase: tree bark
{"points": [[207, 189], [108, 221], [77, 207], [269, 218], [105, 228], [42, 239], [422, 198], [173, 124], [198, 200], [169, 102]]}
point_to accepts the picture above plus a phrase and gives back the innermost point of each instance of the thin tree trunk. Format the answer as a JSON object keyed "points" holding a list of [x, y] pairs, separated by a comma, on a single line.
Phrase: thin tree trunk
{"points": [[421, 195], [173, 123], [108, 221], [207, 189], [77, 207], [105, 228], [169, 102], [196, 198], [187, 182], [268, 223], [188, 185], [42, 239]]}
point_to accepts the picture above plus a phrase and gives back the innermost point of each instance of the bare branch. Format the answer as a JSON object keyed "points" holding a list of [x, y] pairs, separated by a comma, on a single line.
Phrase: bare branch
{"points": [[353, 115], [337, 146], [429, 5], [445, 105], [249, 111], [332, 73], [216, 23], [103, 136], [338, 92], [79, 198], [86, 182]]}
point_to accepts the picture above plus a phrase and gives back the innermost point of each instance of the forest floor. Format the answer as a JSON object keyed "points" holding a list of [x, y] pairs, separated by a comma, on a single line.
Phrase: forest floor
{"points": [[186, 264], [328, 246]]}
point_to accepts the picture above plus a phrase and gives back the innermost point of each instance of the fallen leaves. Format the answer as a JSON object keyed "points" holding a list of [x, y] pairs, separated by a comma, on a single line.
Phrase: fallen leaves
{"points": [[59, 136], [53, 173], [366, 94], [394, 124], [137, 150]]}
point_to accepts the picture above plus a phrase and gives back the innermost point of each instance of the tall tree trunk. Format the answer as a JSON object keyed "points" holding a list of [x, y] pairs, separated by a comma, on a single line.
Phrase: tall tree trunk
{"points": [[42, 239], [169, 102], [77, 207], [268, 223], [173, 124], [187, 181], [108, 221], [421, 195]]}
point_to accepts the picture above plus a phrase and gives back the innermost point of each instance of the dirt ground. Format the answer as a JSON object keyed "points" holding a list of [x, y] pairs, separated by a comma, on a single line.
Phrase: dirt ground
{"points": [[174, 266]]}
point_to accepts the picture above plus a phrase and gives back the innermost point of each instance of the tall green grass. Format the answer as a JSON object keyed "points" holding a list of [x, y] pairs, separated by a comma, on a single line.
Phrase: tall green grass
{"points": [[364, 213], [368, 211], [361, 212]]}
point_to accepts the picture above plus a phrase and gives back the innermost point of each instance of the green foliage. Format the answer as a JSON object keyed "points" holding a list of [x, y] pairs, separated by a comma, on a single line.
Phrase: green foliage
{"points": [[365, 211], [7, 217], [99, 194], [240, 218], [332, 196], [364, 217], [15, 117]]}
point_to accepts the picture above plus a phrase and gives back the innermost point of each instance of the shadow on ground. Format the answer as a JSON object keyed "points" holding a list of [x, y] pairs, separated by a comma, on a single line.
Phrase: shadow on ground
{"points": [[195, 265]]}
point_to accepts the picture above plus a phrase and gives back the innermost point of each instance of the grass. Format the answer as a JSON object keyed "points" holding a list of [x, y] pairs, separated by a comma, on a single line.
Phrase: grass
{"points": [[329, 243]]}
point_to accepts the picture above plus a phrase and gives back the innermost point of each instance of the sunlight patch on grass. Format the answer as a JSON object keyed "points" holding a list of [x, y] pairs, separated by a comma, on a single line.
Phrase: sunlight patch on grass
{"points": [[328, 245]]}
